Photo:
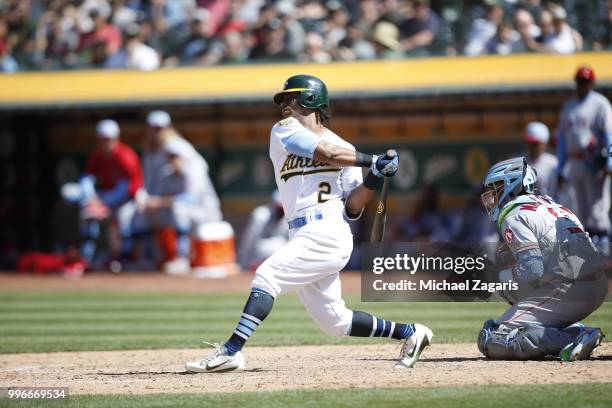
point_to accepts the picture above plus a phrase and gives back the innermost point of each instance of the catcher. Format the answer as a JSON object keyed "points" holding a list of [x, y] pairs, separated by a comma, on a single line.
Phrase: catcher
{"points": [[559, 271]]}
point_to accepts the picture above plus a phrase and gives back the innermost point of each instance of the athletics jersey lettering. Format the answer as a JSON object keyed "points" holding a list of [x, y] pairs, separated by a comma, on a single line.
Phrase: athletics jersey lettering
{"points": [[296, 166]]}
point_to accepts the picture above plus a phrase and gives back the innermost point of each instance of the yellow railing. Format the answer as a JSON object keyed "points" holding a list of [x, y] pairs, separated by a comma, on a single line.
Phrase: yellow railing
{"points": [[74, 87]]}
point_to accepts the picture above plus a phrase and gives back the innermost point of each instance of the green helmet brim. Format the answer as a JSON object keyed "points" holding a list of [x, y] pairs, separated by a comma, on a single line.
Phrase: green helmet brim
{"points": [[278, 97]]}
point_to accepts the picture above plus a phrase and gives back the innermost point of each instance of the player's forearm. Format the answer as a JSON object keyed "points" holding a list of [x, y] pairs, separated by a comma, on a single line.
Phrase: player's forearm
{"points": [[358, 199], [339, 156], [361, 196]]}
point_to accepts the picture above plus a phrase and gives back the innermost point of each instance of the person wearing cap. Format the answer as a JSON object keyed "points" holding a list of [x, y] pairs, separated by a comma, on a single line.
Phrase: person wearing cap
{"points": [[584, 144], [266, 232], [178, 193], [111, 179], [385, 38], [536, 139]]}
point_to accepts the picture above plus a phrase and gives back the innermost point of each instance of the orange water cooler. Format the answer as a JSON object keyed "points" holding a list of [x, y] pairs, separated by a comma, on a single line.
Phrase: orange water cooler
{"points": [[213, 251]]}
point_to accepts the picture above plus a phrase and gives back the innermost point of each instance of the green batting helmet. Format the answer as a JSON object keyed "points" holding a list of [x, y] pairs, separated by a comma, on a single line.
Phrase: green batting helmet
{"points": [[313, 92]]}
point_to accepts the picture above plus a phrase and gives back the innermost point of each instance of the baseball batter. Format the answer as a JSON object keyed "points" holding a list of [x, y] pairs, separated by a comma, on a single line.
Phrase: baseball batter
{"points": [[585, 138], [558, 269], [321, 188]]}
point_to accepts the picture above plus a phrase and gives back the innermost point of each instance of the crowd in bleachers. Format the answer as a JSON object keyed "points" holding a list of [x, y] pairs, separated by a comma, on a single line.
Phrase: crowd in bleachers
{"points": [[149, 34]]}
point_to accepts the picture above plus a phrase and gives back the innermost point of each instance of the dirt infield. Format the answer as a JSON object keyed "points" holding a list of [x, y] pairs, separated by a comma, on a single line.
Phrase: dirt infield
{"points": [[285, 368], [144, 282], [268, 368]]}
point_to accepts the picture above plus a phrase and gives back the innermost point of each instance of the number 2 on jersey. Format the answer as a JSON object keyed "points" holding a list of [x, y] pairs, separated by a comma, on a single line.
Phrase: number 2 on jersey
{"points": [[324, 191]]}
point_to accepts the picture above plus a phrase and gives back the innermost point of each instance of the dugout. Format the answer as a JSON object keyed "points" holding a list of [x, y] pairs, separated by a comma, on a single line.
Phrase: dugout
{"points": [[449, 117]]}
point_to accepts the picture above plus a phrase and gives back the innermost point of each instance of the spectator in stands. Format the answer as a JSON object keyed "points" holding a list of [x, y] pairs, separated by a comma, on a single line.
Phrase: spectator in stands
{"points": [[7, 62], [123, 15], [506, 41], [484, 29], [557, 36], [178, 194], [272, 42], [265, 233], [354, 46], [237, 47], [314, 49], [536, 139], [394, 11], [199, 38], [59, 38], [248, 10], [534, 7], [604, 38], [335, 26], [524, 23], [139, 55], [103, 32], [64, 34], [419, 31], [386, 41], [218, 11], [232, 48], [22, 29]]}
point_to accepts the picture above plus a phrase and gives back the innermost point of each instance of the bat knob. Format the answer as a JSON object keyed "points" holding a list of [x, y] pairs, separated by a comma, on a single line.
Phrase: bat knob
{"points": [[391, 153]]}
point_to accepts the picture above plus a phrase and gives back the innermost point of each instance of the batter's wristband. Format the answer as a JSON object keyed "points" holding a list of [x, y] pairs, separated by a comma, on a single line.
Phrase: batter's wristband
{"points": [[371, 182], [363, 160]]}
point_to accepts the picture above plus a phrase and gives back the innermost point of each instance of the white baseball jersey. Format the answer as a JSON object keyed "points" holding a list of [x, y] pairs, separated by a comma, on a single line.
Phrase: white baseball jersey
{"points": [[585, 133], [306, 184], [584, 121], [193, 179], [546, 167], [534, 221]]}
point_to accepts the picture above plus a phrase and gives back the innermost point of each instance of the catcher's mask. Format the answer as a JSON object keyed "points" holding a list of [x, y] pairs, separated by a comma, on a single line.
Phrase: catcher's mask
{"points": [[505, 181]]}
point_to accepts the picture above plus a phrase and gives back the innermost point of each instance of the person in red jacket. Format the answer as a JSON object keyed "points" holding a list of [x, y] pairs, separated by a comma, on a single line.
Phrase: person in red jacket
{"points": [[112, 177]]}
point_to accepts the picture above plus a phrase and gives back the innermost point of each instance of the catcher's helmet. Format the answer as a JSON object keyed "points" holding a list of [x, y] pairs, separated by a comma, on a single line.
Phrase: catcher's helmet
{"points": [[505, 181], [313, 92]]}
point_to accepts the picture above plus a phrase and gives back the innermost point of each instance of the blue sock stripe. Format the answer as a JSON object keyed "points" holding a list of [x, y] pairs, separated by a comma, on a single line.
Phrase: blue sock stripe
{"points": [[374, 323], [247, 323], [380, 324], [245, 329], [232, 347], [251, 318], [242, 333], [408, 331], [386, 329]]}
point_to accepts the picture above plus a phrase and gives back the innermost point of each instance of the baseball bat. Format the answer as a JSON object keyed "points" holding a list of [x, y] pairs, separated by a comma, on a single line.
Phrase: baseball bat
{"points": [[380, 218]]}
